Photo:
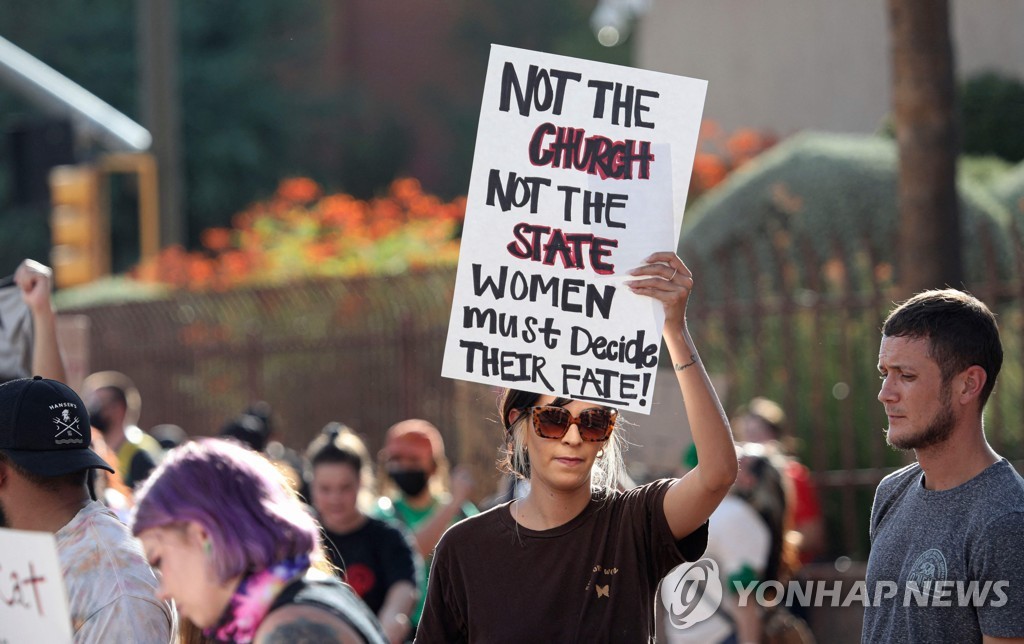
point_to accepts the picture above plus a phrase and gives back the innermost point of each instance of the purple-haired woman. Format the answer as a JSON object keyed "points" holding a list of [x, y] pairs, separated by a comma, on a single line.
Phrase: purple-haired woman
{"points": [[234, 548]]}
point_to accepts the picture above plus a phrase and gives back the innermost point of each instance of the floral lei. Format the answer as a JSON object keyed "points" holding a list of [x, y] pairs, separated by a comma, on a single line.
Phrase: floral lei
{"points": [[252, 600]]}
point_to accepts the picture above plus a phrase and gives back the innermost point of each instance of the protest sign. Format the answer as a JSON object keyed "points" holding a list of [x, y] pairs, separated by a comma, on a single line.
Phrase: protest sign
{"points": [[580, 172], [33, 602]]}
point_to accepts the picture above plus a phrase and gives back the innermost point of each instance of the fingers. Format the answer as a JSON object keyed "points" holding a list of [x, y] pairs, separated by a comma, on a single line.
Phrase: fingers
{"points": [[664, 271], [30, 273]]}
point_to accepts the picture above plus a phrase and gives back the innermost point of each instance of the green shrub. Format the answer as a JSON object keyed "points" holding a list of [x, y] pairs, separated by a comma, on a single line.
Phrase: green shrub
{"points": [[992, 116]]}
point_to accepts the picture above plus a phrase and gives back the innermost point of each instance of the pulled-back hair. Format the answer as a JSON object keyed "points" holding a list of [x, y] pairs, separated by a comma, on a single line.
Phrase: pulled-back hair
{"points": [[607, 471], [339, 444], [961, 332], [253, 518]]}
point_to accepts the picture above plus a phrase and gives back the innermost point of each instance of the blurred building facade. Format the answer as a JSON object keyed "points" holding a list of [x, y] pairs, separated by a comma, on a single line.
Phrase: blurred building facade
{"points": [[793, 65]]}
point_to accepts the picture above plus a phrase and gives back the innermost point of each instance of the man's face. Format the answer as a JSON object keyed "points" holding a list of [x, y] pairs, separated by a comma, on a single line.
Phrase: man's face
{"points": [[917, 402]]}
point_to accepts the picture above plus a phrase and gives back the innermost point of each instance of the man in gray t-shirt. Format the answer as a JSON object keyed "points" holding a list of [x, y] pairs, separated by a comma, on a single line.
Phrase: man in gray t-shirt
{"points": [[947, 532]]}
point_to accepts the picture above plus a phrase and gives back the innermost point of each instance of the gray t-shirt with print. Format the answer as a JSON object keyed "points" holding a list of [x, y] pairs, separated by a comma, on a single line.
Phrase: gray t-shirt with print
{"points": [[946, 566]]}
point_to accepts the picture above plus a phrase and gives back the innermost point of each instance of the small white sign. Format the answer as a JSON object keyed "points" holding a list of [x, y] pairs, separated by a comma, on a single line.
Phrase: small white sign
{"points": [[33, 601], [580, 172]]}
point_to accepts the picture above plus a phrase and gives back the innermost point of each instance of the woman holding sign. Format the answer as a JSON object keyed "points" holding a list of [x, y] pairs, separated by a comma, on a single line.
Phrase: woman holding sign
{"points": [[577, 559]]}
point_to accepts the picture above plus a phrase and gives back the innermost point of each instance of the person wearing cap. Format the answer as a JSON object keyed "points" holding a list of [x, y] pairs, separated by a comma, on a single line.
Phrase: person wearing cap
{"points": [[415, 470], [45, 457], [114, 407]]}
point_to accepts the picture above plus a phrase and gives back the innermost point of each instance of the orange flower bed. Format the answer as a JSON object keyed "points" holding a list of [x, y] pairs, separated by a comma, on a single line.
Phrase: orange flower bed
{"points": [[299, 232], [719, 153]]}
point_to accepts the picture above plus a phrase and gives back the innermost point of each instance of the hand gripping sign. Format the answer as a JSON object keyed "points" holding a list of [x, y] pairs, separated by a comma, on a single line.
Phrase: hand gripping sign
{"points": [[580, 172]]}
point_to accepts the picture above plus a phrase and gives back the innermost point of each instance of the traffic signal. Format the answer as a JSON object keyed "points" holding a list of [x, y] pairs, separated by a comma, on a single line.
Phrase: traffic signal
{"points": [[79, 227]]}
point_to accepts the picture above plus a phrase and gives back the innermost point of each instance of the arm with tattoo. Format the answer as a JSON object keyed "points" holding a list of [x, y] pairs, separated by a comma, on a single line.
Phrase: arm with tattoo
{"points": [[305, 630]]}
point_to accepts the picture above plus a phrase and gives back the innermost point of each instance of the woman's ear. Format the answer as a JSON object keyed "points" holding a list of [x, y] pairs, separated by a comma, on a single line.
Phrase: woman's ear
{"points": [[196, 533], [513, 416]]}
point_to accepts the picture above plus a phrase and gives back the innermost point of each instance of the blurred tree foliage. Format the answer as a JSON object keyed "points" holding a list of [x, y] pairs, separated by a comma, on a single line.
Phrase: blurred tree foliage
{"points": [[257, 104], [236, 120]]}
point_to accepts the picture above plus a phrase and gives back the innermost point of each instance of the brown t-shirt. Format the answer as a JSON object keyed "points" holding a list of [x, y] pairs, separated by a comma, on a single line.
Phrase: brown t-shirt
{"points": [[593, 579]]}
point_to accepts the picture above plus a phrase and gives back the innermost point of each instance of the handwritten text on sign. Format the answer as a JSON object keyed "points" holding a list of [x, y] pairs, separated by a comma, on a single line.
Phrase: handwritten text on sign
{"points": [[33, 604], [580, 172]]}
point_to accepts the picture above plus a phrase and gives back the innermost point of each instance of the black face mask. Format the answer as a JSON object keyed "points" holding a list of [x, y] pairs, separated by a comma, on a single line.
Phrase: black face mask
{"points": [[410, 482]]}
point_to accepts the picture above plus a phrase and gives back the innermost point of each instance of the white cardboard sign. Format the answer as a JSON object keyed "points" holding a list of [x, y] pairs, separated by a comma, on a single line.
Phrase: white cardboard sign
{"points": [[33, 601], [580, 172]]}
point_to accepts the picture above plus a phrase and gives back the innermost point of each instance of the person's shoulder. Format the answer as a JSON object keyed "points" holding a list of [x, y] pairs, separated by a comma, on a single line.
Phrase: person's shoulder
{"points": [[899, 479], [478, 525], [385, 529], [304, 623], [308, 608], [98, 554], [111, 536], [1003, 488], [1008, 480], [796, 470], [654, 489], [99, 522]]}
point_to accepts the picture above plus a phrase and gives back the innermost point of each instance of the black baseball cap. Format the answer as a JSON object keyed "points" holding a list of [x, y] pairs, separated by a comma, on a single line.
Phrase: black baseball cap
{"points": [[44, 428]]}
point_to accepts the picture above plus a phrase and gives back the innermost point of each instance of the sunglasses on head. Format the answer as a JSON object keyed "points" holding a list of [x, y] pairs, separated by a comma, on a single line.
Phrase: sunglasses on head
{"points": [[594, 425]]}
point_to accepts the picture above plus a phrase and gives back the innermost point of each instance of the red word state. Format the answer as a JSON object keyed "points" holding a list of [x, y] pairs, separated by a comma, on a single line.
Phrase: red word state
{"points": [[569, 248], [569, 147]]}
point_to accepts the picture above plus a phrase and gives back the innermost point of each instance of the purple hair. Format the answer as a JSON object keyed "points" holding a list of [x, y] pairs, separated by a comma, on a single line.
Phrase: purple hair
{"points": [[254, 520]]}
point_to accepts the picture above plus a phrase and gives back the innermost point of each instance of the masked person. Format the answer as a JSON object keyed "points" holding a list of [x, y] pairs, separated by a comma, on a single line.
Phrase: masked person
{"points": [[415, 470]]}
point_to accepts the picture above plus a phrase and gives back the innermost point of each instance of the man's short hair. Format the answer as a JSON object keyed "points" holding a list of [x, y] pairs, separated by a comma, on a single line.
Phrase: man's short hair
{"points": [[48, 483], [960, 329]]}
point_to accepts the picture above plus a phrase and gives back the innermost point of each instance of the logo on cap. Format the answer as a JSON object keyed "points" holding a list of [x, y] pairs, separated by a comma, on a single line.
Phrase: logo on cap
{"points": [[67, 427]]}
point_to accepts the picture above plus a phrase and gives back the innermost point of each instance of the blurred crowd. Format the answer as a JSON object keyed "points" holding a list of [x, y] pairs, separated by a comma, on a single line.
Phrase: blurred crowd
{"points": [[375, 519]]}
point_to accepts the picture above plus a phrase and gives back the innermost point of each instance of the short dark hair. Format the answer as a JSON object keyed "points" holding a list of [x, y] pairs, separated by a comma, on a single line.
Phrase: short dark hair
{"points": [[247, 429], [960, 329], [48, 483]]}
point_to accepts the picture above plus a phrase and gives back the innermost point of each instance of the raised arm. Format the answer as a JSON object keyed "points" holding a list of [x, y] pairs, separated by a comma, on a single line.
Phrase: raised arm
{"points": [[691, 499], [34, 280]]}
